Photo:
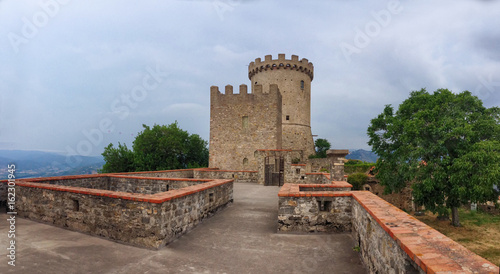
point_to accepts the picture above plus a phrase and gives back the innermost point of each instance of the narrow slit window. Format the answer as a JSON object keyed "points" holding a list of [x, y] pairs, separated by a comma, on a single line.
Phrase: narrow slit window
{"points": [[288, 117], [302, 84], [244, 123], [324, 206], [76, 205]]}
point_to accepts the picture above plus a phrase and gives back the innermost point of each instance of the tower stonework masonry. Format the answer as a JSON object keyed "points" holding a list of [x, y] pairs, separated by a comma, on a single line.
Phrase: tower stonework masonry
{"points": [[293, 78], [240, 124], [276, 115]]}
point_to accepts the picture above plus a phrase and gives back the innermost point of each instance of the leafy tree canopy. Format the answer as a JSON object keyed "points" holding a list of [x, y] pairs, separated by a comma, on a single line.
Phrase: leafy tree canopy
{"points": [[446, 143], [119, 159], [158, 148], [322, 145], [357, 180]]}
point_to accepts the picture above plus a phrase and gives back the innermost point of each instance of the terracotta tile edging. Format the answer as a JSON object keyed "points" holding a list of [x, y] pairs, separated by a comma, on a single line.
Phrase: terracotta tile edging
{"points": [[403, 228], [159, 178], [218, 170], [377, 208], [157, 198]]}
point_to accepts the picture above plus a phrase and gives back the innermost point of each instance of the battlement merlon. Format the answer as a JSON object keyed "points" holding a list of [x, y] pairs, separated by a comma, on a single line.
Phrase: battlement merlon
{"points": [[281, 63], [228, 90]]}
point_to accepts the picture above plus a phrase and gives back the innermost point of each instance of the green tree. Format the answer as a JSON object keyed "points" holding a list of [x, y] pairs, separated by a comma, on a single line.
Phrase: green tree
{"points": [[357, 180], [443, 142], [197, 155], [119, 159], [159, 148], [322, 145]]}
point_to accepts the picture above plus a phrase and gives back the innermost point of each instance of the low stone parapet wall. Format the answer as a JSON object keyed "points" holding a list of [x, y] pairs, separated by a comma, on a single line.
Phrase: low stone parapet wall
{"points": [[178, 173], [237, 175], [316, 164], [97, 181], [333, 186], [145, 185], [145, 220], [389, 240], [316, 178], [121, 183]]}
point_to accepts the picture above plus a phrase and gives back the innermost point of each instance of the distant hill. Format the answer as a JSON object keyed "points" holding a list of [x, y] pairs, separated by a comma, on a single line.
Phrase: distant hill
{"points": [[31, 164], [363, 155]]}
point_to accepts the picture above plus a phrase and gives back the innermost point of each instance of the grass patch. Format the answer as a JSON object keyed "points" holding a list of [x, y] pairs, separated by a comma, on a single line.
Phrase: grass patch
{"points": [[477, 218], [465, 240], [480, 232]]}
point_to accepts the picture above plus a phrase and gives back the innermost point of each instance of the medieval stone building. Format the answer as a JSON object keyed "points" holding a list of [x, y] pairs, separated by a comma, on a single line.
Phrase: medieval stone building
{"points": [[276, 115]]}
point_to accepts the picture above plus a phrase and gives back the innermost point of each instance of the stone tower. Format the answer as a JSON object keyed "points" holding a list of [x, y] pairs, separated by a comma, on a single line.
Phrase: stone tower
{"points": [[241, 124], [293, 78]]}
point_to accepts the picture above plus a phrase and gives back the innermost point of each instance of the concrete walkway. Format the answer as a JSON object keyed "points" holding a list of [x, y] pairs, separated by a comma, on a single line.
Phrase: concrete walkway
{"points": [[239, 239]]}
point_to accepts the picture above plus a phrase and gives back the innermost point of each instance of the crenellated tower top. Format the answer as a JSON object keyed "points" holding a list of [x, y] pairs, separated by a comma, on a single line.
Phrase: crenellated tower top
{"points": [[281, 63]]}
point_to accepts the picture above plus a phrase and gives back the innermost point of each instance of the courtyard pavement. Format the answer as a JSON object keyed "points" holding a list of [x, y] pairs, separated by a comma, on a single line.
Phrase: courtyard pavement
{"points": [[241, 238]]}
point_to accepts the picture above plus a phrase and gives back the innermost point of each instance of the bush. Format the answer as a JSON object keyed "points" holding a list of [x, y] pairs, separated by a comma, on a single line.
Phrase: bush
{"points": [[357, 180], [352, 162], [358, 168]]}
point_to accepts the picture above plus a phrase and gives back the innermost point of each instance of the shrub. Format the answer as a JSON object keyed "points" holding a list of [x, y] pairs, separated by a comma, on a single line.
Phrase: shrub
{"points": [[357, 180], [358, 168]]}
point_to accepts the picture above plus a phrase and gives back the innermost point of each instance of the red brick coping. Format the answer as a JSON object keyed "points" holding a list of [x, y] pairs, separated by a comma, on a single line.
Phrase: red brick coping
{"points": [[293, 190], [218, 170], [110, 175], [428, 248], [125, 174], [157, 198], [333, 183], [159, 171]]}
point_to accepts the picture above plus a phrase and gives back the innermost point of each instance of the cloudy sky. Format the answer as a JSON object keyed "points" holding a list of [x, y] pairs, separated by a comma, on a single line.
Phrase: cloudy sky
{"points": [[78, 75]]}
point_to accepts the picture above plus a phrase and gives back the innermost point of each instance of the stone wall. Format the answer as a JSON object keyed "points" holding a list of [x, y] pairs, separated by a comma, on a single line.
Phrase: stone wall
{"points": [[237, 176], [150, 221], [336, 158], [380, 252], [317, 178], [293, 77], [242, 123], [182, 173], [120, 183], [144, 185], [389, 240], [315, 165], [314, 214], [89, 181]]}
